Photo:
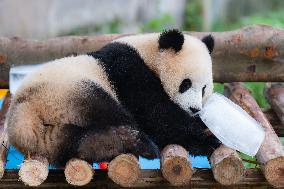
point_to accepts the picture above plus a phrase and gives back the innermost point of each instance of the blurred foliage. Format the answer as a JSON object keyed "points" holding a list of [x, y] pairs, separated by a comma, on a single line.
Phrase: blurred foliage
{"points": [[112, 26], [273, 18], [218, 87], [193, 16], [257, 92], [247, 161], [256, 89], [158, 23]]}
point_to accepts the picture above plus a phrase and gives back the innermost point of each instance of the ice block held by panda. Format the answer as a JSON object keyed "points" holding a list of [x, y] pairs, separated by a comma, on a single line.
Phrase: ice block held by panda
{"points": [[233, 126], [18, 73]]}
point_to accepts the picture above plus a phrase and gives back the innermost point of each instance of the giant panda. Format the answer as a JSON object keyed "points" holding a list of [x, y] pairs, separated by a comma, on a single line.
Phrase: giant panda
{"points": [[135, 95]]}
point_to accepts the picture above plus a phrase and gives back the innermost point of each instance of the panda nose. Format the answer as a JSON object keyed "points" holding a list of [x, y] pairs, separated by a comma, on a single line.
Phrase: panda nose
{"points": [[194, 110]]}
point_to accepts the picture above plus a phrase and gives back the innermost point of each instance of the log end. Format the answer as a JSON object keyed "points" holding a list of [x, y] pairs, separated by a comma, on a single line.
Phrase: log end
{"points": [[274, 171], [229, 171], [33, 172], [124, 170], [78, 172], [175, 165], [227, 166], [177, 171]]}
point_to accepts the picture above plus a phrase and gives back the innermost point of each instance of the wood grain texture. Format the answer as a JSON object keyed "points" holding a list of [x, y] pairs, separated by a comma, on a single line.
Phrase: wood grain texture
{"points": [[271, 153], [274, 93], [252, 53], [175, 165], [124, 170], [227, 166], [78, 172], [202, 178], [34, 170]]}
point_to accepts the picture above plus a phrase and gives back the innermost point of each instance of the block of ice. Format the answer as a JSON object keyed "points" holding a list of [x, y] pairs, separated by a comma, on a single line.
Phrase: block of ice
{"points": [[233, 126], [18, 73]]}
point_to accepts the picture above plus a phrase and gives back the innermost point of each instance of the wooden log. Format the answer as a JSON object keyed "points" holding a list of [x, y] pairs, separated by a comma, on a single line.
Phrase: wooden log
{"points": [[271, 153], [271, 116], [202, 178], [34, 170], [227, 166], [4, 148], [175, 165], [274, 94], [78, 172], [274, 121], [124, 170], [252, 53]]}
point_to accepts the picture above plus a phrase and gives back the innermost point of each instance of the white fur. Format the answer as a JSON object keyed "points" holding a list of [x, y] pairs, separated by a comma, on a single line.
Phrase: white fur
{"points": [[192, 62]]}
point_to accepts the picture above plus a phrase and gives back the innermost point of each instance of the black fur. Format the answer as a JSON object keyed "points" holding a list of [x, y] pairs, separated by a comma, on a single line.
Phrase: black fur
{"points": [[209, 42], [140, 92], [185, 85], [171, 39], [109, 130]]}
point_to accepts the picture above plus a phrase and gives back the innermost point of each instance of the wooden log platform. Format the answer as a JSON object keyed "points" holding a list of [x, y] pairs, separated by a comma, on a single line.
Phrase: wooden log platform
{"points": [[34, 170], [227, 166], [175, 165], [202, 178], [274, 93], [78, 172], [252, 53], [271, 153], [124, 170]]}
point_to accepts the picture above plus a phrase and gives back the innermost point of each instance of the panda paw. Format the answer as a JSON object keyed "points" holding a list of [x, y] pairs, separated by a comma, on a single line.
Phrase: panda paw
{"points": [[147, 148]]}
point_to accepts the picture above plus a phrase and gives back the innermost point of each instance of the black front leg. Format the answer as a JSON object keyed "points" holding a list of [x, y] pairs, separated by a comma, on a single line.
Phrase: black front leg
{"points": [[205, 142], [137, 142]]}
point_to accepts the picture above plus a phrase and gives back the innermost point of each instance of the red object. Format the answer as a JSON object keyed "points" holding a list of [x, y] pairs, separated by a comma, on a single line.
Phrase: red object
{"points": [[103, 165]]}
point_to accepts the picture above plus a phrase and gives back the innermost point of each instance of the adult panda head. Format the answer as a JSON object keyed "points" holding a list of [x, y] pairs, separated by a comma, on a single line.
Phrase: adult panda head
{"points": [[182, 62]]}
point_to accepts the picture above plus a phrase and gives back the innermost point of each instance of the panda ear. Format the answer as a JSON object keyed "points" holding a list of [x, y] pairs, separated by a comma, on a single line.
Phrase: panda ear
{"points": [[209, 42], [171, 39]]}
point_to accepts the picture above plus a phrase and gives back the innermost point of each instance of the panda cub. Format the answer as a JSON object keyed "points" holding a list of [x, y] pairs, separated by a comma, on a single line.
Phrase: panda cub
{"points": [[135, 95]]}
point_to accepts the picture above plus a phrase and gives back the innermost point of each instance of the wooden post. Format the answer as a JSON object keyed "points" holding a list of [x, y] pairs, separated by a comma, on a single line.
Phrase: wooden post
{"points": [[78, 172], [175, 165], [271, 153], [3, 135], [274, 93], [124, 170], [34, 170], [227, 166]]}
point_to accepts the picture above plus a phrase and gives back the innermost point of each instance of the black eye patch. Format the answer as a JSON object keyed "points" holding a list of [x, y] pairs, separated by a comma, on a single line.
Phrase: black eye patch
{"points": [[203, 90], [185, 85]]}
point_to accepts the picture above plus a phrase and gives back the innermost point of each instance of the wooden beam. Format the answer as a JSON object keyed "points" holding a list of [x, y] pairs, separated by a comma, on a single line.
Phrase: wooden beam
{"points": [[34, 170], [274, 121], [78, 172], [271, 153], [227, 166], [124, 170], [274, 93], [202, 178], [253, 53], [175, 165]]}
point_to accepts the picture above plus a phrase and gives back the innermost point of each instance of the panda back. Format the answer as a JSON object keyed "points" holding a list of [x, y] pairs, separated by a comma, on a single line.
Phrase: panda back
{"points": [[62, 75]]}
